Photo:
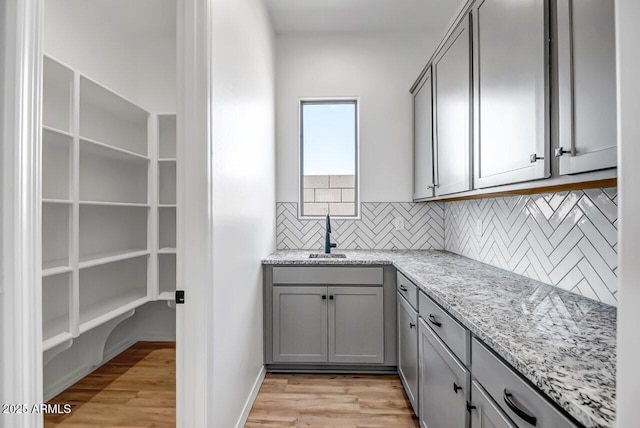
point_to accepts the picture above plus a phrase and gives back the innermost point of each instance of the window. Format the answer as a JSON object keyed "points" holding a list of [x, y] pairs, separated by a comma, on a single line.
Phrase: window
{"points": [[329, 158]]}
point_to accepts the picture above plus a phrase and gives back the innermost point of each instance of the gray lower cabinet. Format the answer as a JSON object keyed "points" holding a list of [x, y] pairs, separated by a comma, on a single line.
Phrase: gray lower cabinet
{"points": [[523, 404], [300, 324], [485, 413], [444, 383], [356, 325], [408, 350], [319, 324]]}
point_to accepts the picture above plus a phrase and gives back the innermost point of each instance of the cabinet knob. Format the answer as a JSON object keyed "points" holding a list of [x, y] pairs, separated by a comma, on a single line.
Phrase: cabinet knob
{"points": [[561, 151], [534, 158], [324, 297], [456, 388], [330, 297], [411, 325], [403, 288]]}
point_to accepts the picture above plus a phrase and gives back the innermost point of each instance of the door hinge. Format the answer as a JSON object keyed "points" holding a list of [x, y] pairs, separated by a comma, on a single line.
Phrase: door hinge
{"points": [[179, 297]]}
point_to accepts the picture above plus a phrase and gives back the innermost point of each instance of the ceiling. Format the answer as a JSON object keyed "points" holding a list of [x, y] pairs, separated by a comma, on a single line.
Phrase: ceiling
{"points": [[324, 16]]}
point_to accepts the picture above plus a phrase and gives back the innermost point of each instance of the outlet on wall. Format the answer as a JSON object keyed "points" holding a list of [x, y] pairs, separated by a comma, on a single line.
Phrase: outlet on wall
{"points": [[398, 223]]}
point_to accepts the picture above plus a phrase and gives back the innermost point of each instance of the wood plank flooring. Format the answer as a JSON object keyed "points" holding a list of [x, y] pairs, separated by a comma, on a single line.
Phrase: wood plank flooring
{"points": [[136, 389], [337, 401]]}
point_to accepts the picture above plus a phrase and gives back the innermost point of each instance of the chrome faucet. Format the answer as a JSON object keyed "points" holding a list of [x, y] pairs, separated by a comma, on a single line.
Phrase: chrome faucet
{"points": [[327, 239]]}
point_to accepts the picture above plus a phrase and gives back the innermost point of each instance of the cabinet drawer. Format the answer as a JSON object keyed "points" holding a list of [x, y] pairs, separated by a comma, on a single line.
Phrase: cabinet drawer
{"points": [[521, 402], [486, 412], [408, 350], [327, 275], [408, 289], [446, 327]]}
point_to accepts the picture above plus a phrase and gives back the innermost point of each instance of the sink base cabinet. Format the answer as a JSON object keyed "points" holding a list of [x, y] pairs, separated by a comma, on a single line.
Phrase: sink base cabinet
{"points": [[444, 383], [332, 326], [300, 324]]}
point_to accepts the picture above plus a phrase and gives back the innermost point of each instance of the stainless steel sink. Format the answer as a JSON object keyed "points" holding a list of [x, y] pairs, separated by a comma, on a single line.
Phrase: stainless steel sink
{"points": [[327, 256]]}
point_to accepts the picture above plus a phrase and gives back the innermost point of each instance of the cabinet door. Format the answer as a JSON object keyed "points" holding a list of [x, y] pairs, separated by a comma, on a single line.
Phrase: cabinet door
{"points": [[586, 85], [356, 325], [485, 413], [452, 82], [300, 324], [408, 350], [511, 109], [444, 384], [423, 185]]}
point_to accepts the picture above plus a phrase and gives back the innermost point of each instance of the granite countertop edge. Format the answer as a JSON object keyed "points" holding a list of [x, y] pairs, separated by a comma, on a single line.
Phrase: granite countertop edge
{"points": [[592, 413]]}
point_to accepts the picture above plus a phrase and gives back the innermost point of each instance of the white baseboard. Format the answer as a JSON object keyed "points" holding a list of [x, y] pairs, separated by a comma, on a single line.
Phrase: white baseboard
{"points": [[252, 398], [65, 382]]}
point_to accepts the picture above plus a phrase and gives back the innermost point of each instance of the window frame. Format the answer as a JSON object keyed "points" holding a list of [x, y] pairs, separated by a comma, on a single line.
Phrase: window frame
{"points": [[328, 100]]}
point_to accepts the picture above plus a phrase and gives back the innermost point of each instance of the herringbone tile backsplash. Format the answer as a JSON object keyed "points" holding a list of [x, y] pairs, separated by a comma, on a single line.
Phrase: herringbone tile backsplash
{"points": [[566, 239], [423, 228]]}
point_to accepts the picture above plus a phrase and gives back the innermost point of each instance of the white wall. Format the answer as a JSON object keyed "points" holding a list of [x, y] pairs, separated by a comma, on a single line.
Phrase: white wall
{"points": [[628, 377], [377, 67], [130, 49], [243, 198]]}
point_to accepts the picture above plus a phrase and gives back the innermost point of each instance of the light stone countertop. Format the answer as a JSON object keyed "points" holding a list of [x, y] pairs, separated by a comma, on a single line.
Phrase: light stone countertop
{"points": [[563, 343]]}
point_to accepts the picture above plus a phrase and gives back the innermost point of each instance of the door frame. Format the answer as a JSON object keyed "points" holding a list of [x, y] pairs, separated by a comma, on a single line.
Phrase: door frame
{"points": [[20, 157]]}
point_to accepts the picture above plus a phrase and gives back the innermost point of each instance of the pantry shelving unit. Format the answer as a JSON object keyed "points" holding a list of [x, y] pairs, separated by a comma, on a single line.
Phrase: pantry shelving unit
{"points": [[108, 205], [166, 249]]}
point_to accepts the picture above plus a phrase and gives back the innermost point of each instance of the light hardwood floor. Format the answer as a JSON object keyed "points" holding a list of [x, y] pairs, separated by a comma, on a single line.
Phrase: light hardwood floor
{"points": [[135, 389], [337, 401]]}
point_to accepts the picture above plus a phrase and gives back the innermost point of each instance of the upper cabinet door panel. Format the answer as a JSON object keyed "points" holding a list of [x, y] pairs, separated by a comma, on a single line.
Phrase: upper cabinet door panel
{"points": [[452, 80], [511, 92], [587, 85], [423, 186]]}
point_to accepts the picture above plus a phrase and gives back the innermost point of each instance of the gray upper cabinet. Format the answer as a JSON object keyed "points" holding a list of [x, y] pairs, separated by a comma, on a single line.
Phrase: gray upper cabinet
{"points": [[423, 183], [408, 350], [511, 124], [452, 102], [586, 85], [444, 384], [299, 324], [356, 325]]}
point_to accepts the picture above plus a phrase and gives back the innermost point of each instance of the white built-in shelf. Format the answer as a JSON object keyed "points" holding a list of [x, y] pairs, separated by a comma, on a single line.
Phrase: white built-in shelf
{"points": [[114, 204], [56, 229], [111, 257], [57, 148], [110, 118], [167, 183], [167, 295], [56, 270], [56, 340], [56, 201], [167, 160], [99, 313], [57, 95], [166, 205], [114, 148], [56, 290], [167, 250], [166, 136], [57, 131]]}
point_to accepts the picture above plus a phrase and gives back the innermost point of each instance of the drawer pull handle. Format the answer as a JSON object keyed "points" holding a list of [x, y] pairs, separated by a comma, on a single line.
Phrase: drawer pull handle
{"points": [[403, 288], [331, 297], [411, 325], [324, 297], [433, 321], [508, 399], [456, 388]]}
